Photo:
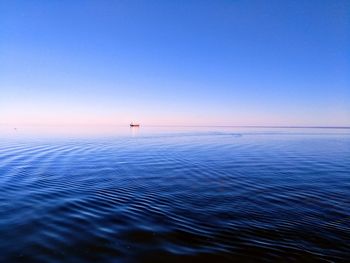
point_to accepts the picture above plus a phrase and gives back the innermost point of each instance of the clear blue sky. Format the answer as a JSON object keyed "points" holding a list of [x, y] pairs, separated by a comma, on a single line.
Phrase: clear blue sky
{"points": [[175, 62]]}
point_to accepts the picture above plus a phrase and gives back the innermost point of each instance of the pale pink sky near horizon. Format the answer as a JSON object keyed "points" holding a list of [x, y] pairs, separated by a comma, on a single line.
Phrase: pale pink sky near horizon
{"points": [[62, 118]]}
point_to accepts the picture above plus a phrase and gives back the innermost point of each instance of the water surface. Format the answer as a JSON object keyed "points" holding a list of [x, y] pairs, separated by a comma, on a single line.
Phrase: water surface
{"points": [[175, 195]]}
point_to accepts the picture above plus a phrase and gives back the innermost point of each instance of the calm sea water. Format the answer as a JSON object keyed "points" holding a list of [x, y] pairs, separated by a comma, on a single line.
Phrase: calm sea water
{"points": [[205, 195]]}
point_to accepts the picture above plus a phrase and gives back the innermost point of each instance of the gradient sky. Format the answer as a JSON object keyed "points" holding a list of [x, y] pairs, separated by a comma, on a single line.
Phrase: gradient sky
{"points": [[175, 62]]}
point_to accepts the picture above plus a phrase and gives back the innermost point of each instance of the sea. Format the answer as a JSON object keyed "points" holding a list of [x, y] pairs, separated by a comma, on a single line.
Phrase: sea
{"points": [[174, 194]]}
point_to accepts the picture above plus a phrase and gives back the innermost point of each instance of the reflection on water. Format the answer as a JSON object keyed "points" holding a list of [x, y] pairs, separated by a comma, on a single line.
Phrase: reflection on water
{"points": [[187, 195], [134, 131]]}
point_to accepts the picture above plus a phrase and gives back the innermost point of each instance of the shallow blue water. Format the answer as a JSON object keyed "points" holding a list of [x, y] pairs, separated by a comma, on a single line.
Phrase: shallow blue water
{"points": [[190, 196]]}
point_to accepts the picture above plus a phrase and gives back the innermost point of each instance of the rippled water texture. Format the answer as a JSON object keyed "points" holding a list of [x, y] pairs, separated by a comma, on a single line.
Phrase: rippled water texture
{"points": [[206, 196]]}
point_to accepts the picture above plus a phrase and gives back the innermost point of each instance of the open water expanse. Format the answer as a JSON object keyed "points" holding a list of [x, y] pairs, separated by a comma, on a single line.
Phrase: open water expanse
{"points": [[176, 195]]}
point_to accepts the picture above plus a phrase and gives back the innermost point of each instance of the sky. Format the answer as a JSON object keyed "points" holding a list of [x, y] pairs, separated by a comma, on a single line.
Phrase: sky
{"points": [[175, 62]]}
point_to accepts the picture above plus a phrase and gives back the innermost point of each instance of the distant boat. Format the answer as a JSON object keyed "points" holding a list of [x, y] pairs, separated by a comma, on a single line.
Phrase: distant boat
{"points": [[134, 125]]}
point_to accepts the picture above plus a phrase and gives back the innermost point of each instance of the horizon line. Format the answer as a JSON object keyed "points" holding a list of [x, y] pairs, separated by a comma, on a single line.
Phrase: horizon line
{"points": [[223, 126], [256, 126]]}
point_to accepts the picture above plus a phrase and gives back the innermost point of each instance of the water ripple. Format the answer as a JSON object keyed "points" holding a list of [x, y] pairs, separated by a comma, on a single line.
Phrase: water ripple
{"points": [[210, 197]]}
